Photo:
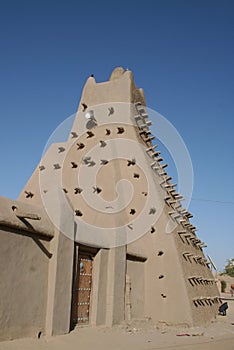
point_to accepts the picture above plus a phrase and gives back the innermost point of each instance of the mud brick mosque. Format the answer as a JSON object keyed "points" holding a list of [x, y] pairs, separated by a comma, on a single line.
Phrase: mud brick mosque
{"points": [[81, 246]]}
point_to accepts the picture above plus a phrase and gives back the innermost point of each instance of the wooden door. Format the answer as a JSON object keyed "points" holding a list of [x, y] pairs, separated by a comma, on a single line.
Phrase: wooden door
{"points": [[82, 290]]}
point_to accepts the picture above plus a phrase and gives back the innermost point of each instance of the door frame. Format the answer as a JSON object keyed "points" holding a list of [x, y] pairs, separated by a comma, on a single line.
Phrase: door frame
{"points": [[90, 252]]}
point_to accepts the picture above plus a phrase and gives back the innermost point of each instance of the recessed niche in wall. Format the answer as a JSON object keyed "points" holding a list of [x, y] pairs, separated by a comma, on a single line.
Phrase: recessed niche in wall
{"points": [[74, 165], [56, 166], [74, 134], [111, 111], [97, 190], [89, 134], [104, 161], [120, 130], [80, 145], [131, 162], [152, 211], [28, 194], [84, 105], [61, 149], [39, 334], [102, 143]]}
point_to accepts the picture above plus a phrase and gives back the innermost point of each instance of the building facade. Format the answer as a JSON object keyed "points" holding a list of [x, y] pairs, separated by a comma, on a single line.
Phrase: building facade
{"points": [[68, 257]]}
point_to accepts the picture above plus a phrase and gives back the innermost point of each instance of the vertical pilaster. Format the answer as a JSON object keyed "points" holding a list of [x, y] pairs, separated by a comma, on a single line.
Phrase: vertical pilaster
{"points": [[60, 277], [115, 305], [99, 288]]}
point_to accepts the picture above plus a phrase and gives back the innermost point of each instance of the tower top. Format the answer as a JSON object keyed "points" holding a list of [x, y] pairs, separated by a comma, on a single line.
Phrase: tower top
{"points": [[119, 88]]}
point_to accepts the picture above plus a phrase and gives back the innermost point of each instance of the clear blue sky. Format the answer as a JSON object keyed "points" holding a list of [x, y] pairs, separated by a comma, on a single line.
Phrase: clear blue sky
{"points": [[181, 53]]}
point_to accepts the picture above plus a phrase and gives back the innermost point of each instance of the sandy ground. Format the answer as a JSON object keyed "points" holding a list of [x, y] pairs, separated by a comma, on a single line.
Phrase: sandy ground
{"points": [[218, 335]]}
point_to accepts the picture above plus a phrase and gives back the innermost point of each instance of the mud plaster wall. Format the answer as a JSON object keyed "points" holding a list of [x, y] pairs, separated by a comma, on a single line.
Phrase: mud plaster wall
{"points": [[23, 284], [136, 272], [200, 313], [169, 298], [99, 289]]}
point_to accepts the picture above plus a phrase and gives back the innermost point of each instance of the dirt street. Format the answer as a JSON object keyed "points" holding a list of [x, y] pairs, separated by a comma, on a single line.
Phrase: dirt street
{"points": [[218, 335]]}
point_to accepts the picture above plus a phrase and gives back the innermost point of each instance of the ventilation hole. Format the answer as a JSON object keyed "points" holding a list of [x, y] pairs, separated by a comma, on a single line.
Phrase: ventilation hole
{"points": [[45, 191], [84, 107], [64, 190], [102, 143], [41, 167], [135, 175], [78, 213], [97, 190], [74, 134], [61, 149], [120, 130], [132, 211], [131, 162], [144, 193], [91, 163], [28, 194], [89, 134], [80, 145], [111, 111], [14, 208], [161, 276], [163, 295], [152, 230], [74, 165], [77, 190], [152, 211], [56, 166], [104, 162], [39, 334], [160, 253], [108, 132]]}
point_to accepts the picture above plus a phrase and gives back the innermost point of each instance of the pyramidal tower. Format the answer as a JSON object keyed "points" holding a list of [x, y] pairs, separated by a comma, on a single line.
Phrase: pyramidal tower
{"points": [[120, 246]]}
